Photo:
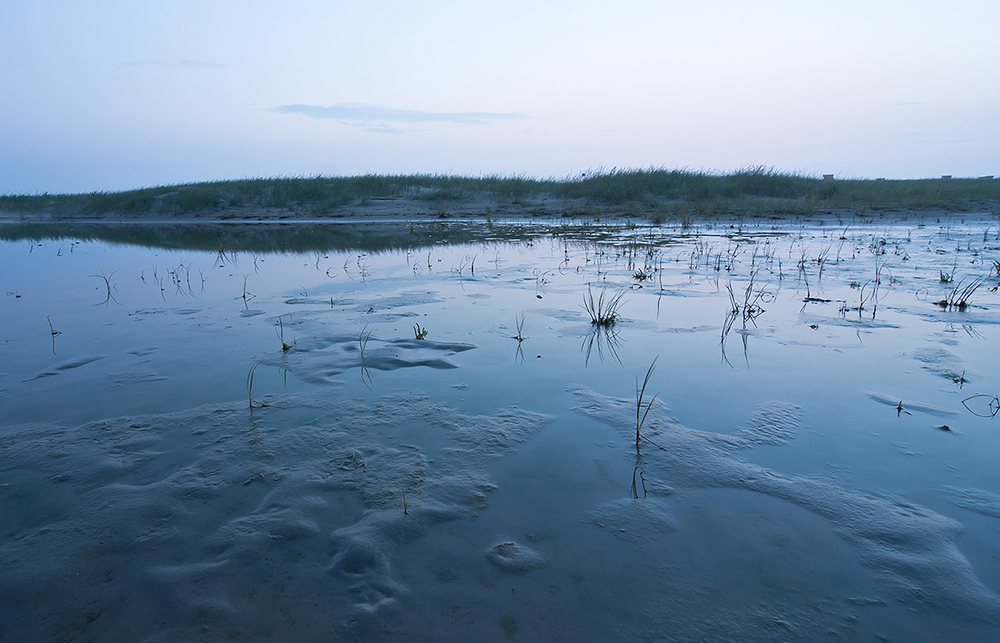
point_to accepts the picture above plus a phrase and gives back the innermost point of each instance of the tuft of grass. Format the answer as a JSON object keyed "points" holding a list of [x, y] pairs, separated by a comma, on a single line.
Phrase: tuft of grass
{"points": [[353, 462], [250, 387], [948, 277], [363, 340], [640, 274], [635, 487], [640, 392], [519, 322], [419, 332], [281, 336], [54, 333], [751, 307], [366, 376], [108, 297], [603, 311], [990, 411], [247, 295]]}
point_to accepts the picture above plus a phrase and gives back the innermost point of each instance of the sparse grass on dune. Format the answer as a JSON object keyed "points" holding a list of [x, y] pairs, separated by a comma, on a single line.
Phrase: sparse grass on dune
{"points": [[649, 192]]}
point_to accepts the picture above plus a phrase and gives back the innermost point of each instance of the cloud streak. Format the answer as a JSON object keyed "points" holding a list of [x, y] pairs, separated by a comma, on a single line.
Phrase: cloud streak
{"points": [[368, 115], [186, 63]]}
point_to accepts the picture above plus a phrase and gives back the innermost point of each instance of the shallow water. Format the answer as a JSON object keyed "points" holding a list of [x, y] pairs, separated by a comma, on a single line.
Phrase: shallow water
{"points": [[808, 469]]}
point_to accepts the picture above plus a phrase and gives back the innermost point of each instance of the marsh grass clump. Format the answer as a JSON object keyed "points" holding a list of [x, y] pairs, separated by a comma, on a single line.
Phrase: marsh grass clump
{"points": [[603, 311], [960, 296]]}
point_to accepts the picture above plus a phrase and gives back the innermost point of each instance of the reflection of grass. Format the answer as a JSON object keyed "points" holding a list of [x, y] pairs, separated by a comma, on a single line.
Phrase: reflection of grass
{"points": [[603, 338]]}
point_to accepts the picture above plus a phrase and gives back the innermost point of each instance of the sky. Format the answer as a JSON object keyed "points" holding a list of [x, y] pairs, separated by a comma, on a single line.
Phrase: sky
{"points": [[107, 95]]}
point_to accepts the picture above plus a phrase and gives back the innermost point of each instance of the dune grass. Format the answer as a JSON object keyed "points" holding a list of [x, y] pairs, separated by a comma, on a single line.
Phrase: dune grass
{"points": [[642, 192]]}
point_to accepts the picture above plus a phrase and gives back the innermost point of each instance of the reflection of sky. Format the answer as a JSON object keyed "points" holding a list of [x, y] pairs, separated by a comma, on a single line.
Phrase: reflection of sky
{"points": [[114, 95]]}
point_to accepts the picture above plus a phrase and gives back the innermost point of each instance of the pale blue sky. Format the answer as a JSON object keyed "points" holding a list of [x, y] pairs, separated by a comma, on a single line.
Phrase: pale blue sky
{"points": [[113, 94]]}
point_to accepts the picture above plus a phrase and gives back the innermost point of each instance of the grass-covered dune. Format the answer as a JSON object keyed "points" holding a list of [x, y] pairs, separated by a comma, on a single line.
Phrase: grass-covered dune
{"points": [[653, 193]]}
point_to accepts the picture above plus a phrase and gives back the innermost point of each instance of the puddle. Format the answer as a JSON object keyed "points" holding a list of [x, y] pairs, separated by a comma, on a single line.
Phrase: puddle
{"points": [[396, 439]]}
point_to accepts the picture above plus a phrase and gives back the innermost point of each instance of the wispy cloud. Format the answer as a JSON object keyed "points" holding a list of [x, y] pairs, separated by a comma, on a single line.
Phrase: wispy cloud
{"points": [[187, 63], [377, 117]]}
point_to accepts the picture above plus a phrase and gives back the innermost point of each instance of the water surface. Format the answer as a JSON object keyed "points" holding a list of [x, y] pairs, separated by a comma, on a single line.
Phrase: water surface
{"points": [[818, 462]]}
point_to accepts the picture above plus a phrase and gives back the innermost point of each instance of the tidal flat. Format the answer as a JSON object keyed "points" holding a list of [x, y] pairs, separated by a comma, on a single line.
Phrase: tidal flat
{"points": [[382, 431]]}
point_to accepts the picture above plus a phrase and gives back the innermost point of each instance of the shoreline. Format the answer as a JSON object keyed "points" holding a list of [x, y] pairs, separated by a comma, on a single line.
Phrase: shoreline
{"points": [[390, 225], [403, 210]]}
